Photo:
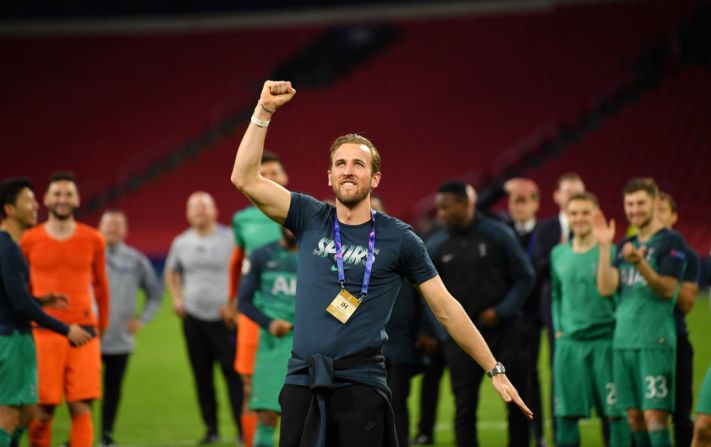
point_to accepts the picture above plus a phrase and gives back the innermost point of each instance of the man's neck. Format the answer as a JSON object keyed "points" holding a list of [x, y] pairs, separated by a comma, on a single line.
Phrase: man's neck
{"points": [[468, 221], [647, 231], [525, 225], [205, 230], [13, 228], [585, 242], [60, 228], [356, 215]]}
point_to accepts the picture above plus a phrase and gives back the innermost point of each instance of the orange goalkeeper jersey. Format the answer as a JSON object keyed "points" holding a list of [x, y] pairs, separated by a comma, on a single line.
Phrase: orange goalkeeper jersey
{"points": [[75, 267]]}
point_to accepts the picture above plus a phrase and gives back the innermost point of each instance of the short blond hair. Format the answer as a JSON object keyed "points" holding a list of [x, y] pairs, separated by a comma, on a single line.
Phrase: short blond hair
{"points": [[354, 138]]}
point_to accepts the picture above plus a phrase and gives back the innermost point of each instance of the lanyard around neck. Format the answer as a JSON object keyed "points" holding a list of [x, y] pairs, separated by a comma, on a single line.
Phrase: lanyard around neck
{"points": [[368, 262]]}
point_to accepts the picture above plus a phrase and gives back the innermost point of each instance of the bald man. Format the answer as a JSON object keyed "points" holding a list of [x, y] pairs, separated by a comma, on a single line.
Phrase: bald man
{"points": [[196, 276]]}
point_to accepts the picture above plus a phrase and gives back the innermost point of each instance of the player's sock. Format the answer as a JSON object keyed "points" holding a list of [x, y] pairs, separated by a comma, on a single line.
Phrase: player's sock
{"points": [[660, 438], [641, 439], [41, 433], [249, 424], [620, 435], [82, 433], [16, 437], [264, 436], [568, 433], [5, 438]]}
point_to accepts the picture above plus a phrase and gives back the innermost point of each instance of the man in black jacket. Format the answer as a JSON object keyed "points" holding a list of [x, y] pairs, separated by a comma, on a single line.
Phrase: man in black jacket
{"points": [[481, 261], [523, 204]]}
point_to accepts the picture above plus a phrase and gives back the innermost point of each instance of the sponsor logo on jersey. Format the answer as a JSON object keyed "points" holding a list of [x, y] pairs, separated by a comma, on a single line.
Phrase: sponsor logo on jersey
{"points": [[631, 277], [284, 286]]}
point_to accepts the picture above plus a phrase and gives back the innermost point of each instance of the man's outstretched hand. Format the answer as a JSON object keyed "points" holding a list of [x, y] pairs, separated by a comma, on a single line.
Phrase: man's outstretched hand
{"points": [[509, 394], [275, 94], [603, 230]]}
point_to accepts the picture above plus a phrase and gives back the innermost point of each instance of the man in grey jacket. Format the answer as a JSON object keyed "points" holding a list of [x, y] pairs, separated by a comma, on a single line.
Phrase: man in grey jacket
{"points": [[128, 271]]}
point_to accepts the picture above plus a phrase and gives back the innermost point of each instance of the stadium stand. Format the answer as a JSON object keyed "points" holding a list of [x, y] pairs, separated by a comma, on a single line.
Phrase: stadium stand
{"points": [[450, 97]]}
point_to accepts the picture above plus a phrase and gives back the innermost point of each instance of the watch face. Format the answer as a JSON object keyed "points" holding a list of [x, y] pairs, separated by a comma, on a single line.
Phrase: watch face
{"points": [[498, 369]]}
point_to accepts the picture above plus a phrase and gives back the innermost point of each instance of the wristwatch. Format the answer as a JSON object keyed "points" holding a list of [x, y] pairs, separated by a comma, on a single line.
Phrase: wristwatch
{"points": [[498, 369]]}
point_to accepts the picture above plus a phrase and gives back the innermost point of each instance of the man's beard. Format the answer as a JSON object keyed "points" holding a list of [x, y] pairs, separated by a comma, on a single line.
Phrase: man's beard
{"points": [[351, 201], [646, 222], [60, 216]]}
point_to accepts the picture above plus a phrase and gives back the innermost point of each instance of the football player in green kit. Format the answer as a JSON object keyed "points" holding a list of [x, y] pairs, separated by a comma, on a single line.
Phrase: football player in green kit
{"points": [[584, 322], [702, 429], [645, 272], [252, 230], [266, 296]]}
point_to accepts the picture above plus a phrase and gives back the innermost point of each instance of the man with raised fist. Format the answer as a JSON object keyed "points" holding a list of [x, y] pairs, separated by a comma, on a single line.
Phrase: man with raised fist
{"points": [[335, 391]]}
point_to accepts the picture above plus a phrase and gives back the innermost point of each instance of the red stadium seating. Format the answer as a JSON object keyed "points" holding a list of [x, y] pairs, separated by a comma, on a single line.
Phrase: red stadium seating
{"points": [[447, 99], [106, 106]]}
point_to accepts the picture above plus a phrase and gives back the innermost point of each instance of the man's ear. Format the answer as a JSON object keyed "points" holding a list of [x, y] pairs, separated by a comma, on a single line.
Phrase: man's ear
{"points": [[375, 180], [7, 207], [329, 177]]}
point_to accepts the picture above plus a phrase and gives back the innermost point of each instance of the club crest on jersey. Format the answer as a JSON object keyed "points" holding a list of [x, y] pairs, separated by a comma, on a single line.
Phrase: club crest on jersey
{"points": [[352, 254]]}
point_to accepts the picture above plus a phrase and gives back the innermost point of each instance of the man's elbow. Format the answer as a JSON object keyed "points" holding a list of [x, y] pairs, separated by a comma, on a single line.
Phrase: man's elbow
{"points": [[238, 180]]}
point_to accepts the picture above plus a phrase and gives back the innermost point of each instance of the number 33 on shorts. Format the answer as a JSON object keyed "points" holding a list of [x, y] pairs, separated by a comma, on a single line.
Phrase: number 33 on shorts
{"points": [[656, 387]]}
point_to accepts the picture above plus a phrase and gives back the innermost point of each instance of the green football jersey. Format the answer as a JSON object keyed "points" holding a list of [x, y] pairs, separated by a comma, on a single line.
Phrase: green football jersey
{"points": [[271, 282], [253, 229], [645, 319], [579, 311]]}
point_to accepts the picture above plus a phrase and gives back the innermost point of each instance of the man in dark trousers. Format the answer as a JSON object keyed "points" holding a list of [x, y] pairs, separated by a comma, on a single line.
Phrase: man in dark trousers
{"points": [[667, 214], [523, 204], [481, 261]]}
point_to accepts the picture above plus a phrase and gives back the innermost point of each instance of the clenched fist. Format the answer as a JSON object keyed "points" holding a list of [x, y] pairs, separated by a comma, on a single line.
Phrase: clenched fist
{"points": [[275, 94]]}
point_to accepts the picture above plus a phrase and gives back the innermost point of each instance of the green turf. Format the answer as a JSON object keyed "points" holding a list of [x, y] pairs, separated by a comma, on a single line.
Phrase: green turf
{"points": [[159, 405]]}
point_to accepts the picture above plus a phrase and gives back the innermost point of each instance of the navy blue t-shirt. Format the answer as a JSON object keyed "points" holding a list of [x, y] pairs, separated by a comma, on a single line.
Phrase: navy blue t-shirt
{"points": [[17, 307], [691, 274], [398, 253]]}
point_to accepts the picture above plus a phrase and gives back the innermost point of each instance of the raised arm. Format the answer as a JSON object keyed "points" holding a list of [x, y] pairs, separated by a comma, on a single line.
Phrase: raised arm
{"points": [[608, 277], [272, 198], [457, 323]]}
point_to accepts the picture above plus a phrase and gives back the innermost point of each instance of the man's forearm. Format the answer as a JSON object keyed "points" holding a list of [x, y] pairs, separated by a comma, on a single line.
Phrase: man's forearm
{"points": [[172, 282], [460, 327], [662, 285], [607, 275], [249, 153], [687, 296]]}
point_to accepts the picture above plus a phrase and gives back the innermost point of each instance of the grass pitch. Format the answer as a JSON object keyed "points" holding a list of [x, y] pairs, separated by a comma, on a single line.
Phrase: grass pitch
{"points": [[159, 406]]}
